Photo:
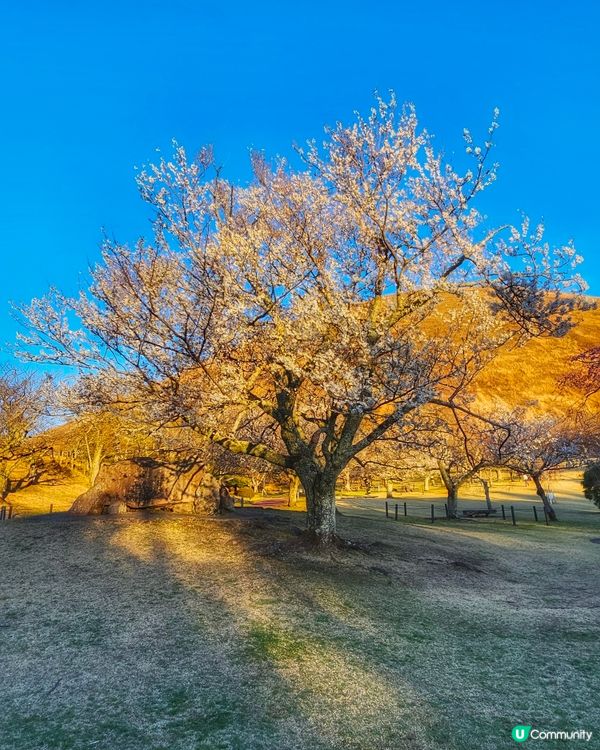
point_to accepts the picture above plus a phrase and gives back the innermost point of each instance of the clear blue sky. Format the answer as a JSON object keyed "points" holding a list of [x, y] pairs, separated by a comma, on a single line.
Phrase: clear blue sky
{"points": [[90, 89]]}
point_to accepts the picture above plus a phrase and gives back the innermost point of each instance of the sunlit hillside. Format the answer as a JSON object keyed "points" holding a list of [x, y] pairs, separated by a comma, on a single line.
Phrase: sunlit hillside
{"points": [[539, 370]]}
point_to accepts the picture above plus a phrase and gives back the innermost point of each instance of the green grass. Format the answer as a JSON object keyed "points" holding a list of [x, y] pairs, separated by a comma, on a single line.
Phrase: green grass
{"points": [[180, 633], [269, 642]]}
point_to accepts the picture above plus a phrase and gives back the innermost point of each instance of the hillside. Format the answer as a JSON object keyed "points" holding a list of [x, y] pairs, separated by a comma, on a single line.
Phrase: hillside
{"points": [[539, 370]]}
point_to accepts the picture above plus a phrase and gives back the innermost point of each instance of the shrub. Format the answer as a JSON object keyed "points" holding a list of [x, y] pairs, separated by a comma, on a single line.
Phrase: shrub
{"points": [[591, 483]]}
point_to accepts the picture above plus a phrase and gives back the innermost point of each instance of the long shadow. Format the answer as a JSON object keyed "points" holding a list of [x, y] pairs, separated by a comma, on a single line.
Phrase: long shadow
{"points": [[130, 633], [111, 640], [450, 632], [435, 647], [176, 632]]}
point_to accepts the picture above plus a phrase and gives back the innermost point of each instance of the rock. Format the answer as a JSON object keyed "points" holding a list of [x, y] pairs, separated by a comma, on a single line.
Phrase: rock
{"points": [[226, 501], [206, 498], [144, 483], [124, 481]]}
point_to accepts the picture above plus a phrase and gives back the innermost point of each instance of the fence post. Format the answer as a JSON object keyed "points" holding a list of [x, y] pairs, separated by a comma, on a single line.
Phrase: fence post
{"points": [[10, 511], [51, 507], [512, 513], [503, 513], [387, 514], [2, 513], [546, 515], [405, 513], [535, 513], [396, 512], [432, 512], [446, 509], [241, 501]]}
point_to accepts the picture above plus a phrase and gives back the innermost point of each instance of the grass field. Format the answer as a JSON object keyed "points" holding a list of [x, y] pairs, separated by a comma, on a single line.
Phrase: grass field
{"points": [[566, 486], [178, 633], [56, 496]]}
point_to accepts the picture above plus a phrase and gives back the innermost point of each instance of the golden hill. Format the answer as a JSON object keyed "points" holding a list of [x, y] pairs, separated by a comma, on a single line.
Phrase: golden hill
{"points": [[539, 370]]}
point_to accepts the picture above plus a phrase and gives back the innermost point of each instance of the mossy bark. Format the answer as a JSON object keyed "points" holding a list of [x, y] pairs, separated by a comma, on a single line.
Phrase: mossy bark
{"points": [[319, 488]]}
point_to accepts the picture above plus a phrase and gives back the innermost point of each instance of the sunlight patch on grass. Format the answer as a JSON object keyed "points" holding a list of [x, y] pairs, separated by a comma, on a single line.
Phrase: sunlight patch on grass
{"points": [[148, 633]]}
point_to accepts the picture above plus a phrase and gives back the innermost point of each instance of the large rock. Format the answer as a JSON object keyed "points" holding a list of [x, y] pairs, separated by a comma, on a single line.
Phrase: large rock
{"points": [[141, 483]]}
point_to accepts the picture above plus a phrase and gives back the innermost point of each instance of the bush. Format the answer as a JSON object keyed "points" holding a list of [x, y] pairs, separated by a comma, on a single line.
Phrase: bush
{"points": [[591, 483]]}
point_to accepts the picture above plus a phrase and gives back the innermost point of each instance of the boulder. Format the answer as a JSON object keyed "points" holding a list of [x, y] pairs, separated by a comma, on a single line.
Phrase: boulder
{"points": [[145, 483], [207, 498], [226, 499]]}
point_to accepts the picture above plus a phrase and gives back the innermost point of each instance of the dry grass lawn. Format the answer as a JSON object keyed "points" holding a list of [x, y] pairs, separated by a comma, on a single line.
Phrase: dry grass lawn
{"points": [[177, 633], [57, 496]]}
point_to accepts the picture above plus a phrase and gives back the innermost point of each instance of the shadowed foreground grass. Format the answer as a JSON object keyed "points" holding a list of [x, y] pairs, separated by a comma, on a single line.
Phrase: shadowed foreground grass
{"points": [[177, 633]]}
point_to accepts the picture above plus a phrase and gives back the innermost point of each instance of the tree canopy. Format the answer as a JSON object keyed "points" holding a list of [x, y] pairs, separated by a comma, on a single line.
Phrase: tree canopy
{"points": [[300, 317]]}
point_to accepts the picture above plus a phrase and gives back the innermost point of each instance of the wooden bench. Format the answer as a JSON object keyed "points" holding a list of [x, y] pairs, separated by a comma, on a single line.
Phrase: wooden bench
{"points": [[479, 513], [155, 503]]}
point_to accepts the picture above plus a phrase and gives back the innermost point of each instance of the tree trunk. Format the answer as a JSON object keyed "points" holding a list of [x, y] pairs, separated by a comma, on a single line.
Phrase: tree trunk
{"points": [[389, 488], [293, 487], [486, 490], [452, 501], [541, 492], [347, 484], [451, 489], [95, 463], [319, 488]]}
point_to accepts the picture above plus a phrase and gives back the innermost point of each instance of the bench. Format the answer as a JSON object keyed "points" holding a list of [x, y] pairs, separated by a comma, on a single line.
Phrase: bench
{"points": [[155, 503], [479, 513]]}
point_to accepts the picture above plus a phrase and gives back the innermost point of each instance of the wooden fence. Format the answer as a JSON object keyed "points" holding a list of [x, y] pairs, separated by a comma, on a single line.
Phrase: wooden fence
{"points": [[6, 512], [435, 512]]}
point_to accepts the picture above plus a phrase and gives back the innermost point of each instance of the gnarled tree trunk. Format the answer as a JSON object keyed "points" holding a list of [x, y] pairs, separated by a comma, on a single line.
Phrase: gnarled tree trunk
{"points": [[452, 501], [319, 488], [541, 492], [452, 490]]}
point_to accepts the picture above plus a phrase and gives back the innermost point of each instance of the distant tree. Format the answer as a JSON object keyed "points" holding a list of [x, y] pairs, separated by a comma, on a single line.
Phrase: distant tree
{"points": [[466, 443], [90, 436], [396, 455], [25, 459], [591, 483], [326, 302], [102, 436], [539, 444], [587, 375]]}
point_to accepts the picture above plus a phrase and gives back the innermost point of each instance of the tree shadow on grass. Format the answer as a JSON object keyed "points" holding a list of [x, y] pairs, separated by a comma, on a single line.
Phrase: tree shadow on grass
{"points": [[151, 633], [177, 632]]}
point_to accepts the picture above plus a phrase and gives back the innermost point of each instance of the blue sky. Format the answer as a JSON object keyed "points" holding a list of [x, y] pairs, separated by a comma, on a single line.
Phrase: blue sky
{"points": [[91, 89]]}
